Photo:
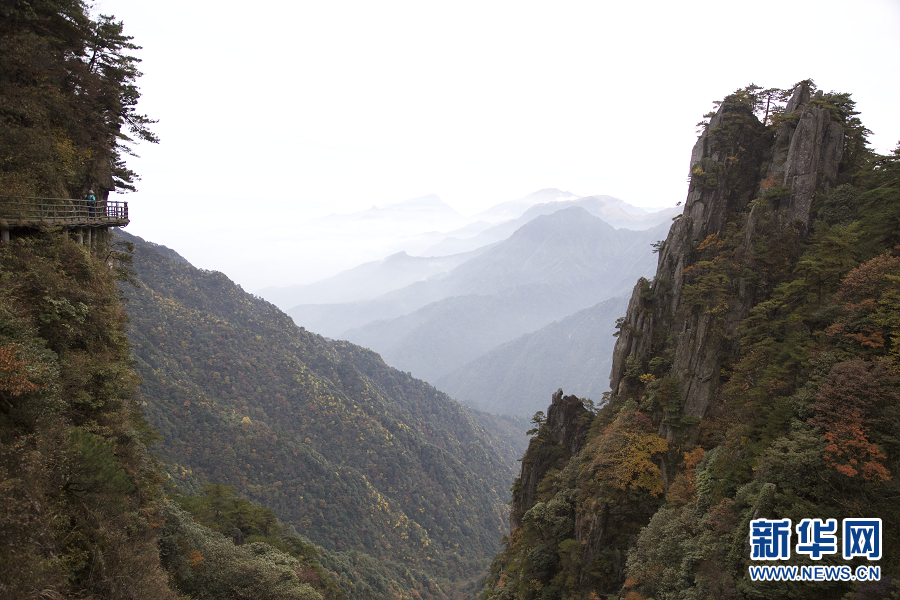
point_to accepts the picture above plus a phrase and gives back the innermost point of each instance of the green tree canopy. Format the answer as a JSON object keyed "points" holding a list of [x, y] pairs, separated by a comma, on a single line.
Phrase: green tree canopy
{"points": [[68, 111]]}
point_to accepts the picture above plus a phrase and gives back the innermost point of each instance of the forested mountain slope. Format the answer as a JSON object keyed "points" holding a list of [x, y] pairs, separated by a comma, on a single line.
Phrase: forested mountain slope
{"points": [[78, 494], [755, 377], [354, 454]]}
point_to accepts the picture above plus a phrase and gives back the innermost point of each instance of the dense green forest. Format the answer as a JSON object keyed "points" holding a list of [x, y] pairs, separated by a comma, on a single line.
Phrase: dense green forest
{"points": [[351, 453], [83, 510], [754, 378]]}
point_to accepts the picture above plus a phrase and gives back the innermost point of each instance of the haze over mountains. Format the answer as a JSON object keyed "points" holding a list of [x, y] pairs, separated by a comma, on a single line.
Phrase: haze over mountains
{"points": [[550, 268], [551, 255], [613, 211], [291, 418], [369, 280], [574, 353], [409, 214], [324, 247], [419, 227]]}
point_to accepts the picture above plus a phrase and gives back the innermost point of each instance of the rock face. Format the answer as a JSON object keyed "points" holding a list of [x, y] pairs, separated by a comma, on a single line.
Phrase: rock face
{"points": [[603, 528], [561, 436], [590, 510], [728, 162], [568, 422], [814, 148]]}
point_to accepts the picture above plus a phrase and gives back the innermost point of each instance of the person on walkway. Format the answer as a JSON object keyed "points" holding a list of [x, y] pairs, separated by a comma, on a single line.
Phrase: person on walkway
{"points": [[91, 202]]}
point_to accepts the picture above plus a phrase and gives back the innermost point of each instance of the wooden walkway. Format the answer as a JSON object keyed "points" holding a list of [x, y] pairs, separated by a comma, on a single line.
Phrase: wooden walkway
{"points": [[37, 212]]}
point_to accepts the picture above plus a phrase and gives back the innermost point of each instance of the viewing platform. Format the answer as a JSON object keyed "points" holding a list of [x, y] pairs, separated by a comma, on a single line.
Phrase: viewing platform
{"points": [[16, 213], [31, 213]]}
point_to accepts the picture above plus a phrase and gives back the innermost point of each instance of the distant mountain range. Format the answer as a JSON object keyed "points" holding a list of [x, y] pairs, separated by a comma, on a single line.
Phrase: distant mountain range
{"points": [[617, 213], [420, 227], [486, 299], [549, 268], [368, 280], [430, 210], [513, 209]]}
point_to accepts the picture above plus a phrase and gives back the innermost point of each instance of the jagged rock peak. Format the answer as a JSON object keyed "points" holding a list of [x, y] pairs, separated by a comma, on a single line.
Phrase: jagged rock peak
{"points": [[566, 427], [566, 421], [806, 155], [734, 161]]}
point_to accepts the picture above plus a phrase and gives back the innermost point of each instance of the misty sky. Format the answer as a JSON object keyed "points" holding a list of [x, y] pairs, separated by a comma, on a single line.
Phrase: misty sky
{"points": [[271, 113]]}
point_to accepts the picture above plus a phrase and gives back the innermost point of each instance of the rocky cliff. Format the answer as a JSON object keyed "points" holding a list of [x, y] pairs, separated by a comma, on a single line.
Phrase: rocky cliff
{"points": [[753, 376], [734, 162]]}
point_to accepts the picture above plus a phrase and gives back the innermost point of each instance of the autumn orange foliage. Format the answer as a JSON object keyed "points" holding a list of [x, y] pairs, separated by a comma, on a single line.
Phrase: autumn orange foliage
{"points": [[196, 560], [684, 489], [13, 376], [870, 298], [845, 406]]}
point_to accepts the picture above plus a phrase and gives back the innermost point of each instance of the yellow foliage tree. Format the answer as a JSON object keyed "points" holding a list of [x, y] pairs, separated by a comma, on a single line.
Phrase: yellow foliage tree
{"points": [[625, 452]]}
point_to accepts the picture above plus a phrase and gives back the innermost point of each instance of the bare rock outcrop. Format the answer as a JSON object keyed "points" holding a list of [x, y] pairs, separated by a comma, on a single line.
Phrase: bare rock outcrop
{"points": [[733, 162], [562, 436], [808, 151]]}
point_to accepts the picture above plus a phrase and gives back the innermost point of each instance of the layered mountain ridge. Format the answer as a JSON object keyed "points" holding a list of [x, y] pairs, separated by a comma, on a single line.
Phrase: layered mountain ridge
{"points": [[551, 267], [613, 211], [368, 280]]}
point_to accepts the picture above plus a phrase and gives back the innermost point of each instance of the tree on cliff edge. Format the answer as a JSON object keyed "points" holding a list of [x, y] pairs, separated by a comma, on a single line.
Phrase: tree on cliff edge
{"points": [[68, 107]]}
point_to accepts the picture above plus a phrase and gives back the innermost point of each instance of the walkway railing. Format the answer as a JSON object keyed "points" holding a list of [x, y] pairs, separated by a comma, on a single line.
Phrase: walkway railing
{"points": [[34, 212]]}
